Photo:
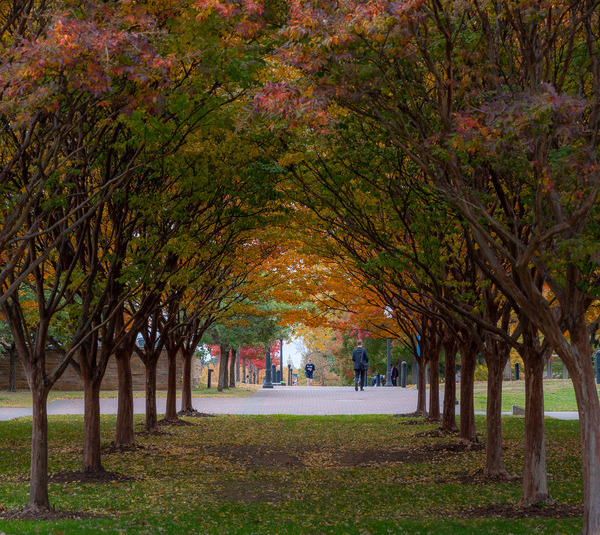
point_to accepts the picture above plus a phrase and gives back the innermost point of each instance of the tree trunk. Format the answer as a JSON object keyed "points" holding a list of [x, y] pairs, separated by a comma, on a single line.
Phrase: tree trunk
{"points": [[434, 381], [223, 365], [124, 435], [494, 463], [449, 414], [38, 484], [535, 481], [232, 367], [33, 358], [151, 423], [422, 390], [577, 357], [91, 426], [589, 426], [186, 387], [468, 432], [171, 409], [237, 367], [91, 370]]}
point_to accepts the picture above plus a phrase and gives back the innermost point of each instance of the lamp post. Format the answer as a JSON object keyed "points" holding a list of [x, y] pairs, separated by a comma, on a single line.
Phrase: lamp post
{"points": [[389, 313], [268, 383], [289, 366], [281, 380]]}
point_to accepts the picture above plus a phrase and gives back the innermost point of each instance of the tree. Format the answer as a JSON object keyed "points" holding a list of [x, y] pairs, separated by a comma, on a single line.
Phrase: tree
{"points": [[535, 152], [149, 353], [258, 327], [59, 77], [202, 220]]}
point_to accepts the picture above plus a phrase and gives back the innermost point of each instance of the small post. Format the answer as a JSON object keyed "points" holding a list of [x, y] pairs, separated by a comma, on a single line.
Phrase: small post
{"points": [[267, 383], [403, 375], [210, 370], [280, 374], [516, 371]]}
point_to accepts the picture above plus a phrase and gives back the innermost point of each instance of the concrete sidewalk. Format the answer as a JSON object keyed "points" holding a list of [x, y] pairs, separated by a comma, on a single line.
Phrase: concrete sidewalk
{"points": [[300, 400]]}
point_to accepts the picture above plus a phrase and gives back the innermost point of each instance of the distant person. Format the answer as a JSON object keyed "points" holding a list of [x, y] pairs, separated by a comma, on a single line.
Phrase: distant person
{"points": [[361, 365], [308, 371], [394, 376]]}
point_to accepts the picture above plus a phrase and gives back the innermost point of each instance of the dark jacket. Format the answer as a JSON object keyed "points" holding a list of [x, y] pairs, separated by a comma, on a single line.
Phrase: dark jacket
{"points": [[360, 358]]}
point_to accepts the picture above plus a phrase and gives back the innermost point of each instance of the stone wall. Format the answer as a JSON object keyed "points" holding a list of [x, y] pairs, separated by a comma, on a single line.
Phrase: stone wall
{"points": [[70, 380]]}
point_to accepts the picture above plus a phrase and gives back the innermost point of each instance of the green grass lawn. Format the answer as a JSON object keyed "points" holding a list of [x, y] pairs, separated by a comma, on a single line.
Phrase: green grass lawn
{"points": [[22, 398], [288, 474], [558, 395]]}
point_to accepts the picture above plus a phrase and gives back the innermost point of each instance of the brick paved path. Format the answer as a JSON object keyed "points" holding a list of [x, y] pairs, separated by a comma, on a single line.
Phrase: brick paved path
{"points": [[304, 400], [330, 400], [279, 400]]}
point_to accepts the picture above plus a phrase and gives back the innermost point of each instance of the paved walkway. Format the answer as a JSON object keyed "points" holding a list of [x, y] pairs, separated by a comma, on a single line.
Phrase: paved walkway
{"points": [[301, 400], [318, 400]]}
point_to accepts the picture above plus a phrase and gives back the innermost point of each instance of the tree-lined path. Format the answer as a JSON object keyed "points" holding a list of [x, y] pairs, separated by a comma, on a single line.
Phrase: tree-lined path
{"points": [[210, 178]]}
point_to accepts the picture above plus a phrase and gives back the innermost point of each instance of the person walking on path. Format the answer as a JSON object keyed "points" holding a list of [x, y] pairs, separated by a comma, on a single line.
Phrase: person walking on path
{"points": [[361, 365], [308, 371], [394, 376]]}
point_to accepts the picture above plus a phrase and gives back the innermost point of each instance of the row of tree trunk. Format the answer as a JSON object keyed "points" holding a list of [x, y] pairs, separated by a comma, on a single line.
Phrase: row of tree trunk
{"points": [[496, 354]]}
